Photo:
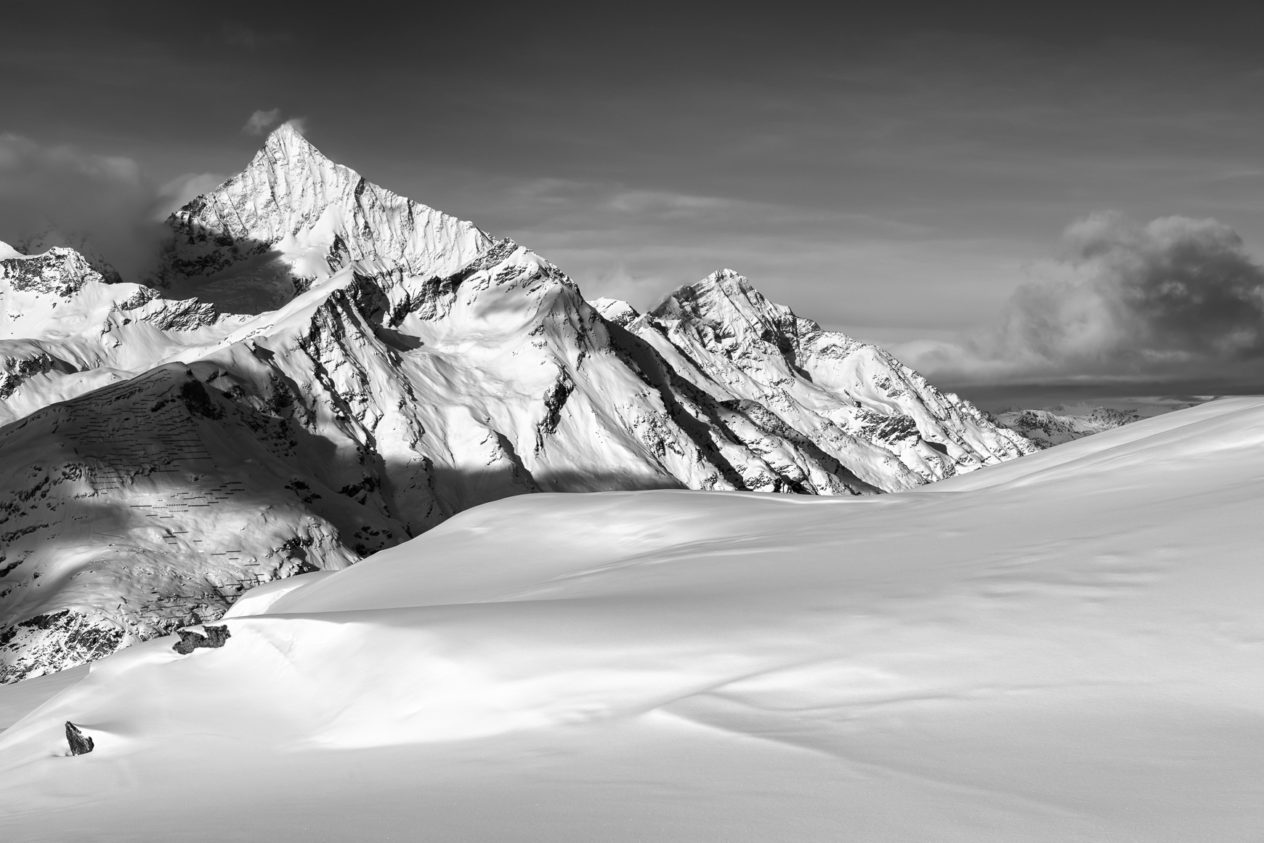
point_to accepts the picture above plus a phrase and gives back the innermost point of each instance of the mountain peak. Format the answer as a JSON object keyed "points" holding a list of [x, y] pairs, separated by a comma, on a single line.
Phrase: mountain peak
{"points": [[727, 276], [59, 270], [314, 216], [730, 282], [725, 295], [723, 284], [78, 244], [288, 139]]}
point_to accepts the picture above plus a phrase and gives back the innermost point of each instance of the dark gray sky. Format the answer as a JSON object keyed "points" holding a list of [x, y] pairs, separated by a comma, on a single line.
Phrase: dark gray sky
{"points": [[892, 169]]}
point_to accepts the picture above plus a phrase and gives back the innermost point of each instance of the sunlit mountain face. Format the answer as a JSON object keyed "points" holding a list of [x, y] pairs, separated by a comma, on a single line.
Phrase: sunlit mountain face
{"points": [[317, 369]]}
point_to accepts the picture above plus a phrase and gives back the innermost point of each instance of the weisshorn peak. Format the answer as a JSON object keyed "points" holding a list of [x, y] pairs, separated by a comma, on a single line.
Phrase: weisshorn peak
{"points": [[321, 369]]}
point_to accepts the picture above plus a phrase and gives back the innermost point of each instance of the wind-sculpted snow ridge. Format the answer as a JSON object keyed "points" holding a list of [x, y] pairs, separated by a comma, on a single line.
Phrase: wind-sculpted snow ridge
{"points": [[323, 369], [1065, 647]]}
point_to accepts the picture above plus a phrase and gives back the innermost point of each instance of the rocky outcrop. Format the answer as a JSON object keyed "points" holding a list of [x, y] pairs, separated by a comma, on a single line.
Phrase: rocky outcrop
{"points": [[17, 370], [210, 637], [50, 640], [59, 272], [80, 744]]}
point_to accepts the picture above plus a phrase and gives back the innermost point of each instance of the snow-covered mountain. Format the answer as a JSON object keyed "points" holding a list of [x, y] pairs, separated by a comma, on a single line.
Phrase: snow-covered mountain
{"points": [[1047, 428], [1056, 425], [851, 400], [1065, 647], [321, 369]]}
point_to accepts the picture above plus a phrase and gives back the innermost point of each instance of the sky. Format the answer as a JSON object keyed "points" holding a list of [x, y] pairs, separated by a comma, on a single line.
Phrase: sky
{"points": [[1002, 193]]}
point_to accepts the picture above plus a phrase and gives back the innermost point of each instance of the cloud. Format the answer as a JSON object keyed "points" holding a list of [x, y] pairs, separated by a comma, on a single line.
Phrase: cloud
{"points": [[640, 291], [179, 191], [61, 195], [605, 232], [1175, 298], [665, 206], [261, 121], [264, 120]]}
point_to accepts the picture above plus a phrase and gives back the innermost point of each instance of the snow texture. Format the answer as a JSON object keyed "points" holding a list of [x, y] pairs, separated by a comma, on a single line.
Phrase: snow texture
{"points": [[1064, 647]]}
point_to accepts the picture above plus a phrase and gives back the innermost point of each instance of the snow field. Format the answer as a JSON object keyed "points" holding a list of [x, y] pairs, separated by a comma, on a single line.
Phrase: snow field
{"points": [[1063, 647]]}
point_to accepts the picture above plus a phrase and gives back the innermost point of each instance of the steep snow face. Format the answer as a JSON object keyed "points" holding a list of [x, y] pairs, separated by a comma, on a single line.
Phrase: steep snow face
{"points": [[294, 204], [349, 369], [855, 401], [1065, 647]]}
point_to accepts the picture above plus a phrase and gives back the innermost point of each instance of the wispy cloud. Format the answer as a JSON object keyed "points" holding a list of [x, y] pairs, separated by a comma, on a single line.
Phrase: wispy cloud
{"points": [[179, 191], [261, 121], [641, 241], [618, 282], [73, 196]]}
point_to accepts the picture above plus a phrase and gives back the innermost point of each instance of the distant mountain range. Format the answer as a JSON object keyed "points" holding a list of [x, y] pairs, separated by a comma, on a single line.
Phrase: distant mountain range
{"points": [[1063, 423], [320, 369]]}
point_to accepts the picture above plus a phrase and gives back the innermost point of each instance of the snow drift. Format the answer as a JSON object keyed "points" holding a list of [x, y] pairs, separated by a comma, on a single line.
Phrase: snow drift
{"points": [[1062, 647]]}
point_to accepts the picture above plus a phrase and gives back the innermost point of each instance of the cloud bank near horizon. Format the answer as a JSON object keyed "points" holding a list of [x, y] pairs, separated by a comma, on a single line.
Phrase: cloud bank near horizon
{"points": [[62, 195], [1176, 298]]}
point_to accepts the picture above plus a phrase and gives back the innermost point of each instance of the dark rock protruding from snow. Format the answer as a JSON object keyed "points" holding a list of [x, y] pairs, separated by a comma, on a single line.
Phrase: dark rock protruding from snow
{"points": [[80, 744], [191, 639]]}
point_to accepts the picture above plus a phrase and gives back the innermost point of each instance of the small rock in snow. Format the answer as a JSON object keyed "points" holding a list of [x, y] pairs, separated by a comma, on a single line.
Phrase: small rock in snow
{"points": [[190, 639], [80, 744]]}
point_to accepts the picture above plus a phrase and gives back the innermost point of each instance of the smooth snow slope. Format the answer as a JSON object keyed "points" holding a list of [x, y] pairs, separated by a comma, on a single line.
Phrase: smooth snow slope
{"points": [[1067, 647]]}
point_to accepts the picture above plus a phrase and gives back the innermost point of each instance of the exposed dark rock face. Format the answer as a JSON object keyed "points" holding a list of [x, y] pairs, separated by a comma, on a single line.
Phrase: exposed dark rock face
{"points": [[51, 638], [80, 744], [191, 639], [59, 272]]}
